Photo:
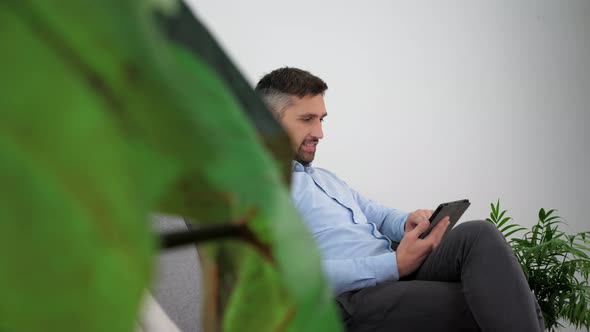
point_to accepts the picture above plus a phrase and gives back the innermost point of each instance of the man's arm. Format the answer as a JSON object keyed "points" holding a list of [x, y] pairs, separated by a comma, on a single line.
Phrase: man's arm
{"points": [[357, 273], [350, 274], [390, 222]]}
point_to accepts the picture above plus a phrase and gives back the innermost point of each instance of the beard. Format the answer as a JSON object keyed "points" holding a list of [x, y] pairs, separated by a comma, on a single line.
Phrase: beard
{"points": [[304, 157]]}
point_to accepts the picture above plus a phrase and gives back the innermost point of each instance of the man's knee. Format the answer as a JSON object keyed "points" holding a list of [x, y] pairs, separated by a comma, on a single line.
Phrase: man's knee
{"points": [[479, 229], [484, 237]]}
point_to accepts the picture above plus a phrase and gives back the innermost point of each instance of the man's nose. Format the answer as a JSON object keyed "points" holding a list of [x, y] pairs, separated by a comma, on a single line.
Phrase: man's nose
{"points": [[317, 131]]}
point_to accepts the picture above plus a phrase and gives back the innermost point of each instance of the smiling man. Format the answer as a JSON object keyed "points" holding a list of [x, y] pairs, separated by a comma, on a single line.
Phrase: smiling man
{"points": [[298, 91], [469, 280], [304, 119]]}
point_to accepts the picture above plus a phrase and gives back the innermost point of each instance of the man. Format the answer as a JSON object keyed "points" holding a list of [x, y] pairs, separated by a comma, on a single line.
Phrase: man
{"points": [[469, 280]]}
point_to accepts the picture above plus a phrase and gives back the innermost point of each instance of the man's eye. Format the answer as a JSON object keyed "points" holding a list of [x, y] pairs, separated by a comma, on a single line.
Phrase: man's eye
{"points": [[322, 120], [306, 119]]}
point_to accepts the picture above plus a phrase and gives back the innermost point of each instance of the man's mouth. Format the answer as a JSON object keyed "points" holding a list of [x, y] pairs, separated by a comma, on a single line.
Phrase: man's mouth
{"points": [[309, 146]]}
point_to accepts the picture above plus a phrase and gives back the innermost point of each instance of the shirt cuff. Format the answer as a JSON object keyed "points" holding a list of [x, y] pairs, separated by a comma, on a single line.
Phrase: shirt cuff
{"points": [[402, 224], [385, 267], [396, 221]]}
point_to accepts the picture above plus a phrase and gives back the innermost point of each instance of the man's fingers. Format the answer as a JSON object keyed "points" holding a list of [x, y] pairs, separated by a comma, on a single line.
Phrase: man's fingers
{"points": [[425, 214], [420, 228], [429, 213], [439, 230]]}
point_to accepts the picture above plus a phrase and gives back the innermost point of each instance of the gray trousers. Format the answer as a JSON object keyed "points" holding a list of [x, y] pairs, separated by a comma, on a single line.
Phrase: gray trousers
{"points": [[471, 282]]}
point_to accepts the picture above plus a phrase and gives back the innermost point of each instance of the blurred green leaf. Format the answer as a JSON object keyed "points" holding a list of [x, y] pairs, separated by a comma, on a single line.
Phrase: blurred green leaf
{"points": [[108, 115]]}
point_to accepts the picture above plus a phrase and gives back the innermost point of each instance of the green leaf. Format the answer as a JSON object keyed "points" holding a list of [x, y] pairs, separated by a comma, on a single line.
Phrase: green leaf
{"points": [[512, 231], [75, 248], [508, 227], [108, 115], [536, 233], [582, 247], [579, 253], [501, 215], [552, 218], [542, 214], [259, 197], [503, 221], [495, 208]]}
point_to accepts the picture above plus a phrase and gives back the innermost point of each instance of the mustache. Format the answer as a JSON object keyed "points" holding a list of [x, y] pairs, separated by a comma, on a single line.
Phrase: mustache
{"points": [[310, 140]]}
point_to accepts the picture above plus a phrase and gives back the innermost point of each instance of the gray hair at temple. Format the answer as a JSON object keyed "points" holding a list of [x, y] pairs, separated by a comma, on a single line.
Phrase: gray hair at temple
{"points": [[278, 88]]}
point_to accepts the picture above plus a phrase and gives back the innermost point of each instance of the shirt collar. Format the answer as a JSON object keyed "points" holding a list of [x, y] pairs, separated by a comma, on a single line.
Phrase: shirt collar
{"points": [[298, 167]]}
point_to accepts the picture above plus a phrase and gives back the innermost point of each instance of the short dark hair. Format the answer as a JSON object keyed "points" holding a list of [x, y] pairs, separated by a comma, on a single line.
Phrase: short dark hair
{"points": [[278, 86], [292, 81]]}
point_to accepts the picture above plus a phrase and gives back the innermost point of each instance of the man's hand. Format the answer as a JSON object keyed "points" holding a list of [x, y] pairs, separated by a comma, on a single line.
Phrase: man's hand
{"points": [[416, 217], [412, 251]]}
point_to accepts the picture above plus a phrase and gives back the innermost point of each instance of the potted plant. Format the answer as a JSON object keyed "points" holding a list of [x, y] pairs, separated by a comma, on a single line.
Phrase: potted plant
{"points": [[556, 265]]}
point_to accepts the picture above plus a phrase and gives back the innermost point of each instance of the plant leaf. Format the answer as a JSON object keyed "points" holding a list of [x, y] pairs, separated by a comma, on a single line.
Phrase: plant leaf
{"points": [[503, 221], [108, 115], [542, 214], [513, 231]]}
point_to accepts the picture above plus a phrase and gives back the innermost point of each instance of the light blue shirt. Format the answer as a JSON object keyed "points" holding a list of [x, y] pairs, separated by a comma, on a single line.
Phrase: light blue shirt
{"points": [[353, 233]]}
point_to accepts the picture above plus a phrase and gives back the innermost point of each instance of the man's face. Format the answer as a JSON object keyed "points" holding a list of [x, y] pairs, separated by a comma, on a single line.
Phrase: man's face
{"points": [[303, 122]]}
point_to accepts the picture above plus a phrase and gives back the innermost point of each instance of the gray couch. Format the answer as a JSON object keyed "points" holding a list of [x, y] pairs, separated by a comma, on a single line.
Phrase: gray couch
{"points": [[177, 285]]}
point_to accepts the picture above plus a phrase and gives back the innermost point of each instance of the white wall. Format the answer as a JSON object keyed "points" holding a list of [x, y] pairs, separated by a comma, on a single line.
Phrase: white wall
{"points": [[430, 102]]}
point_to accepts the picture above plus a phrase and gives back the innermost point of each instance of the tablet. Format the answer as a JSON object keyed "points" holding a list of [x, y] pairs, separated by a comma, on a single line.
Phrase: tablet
{"points": [[454, 210]]}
